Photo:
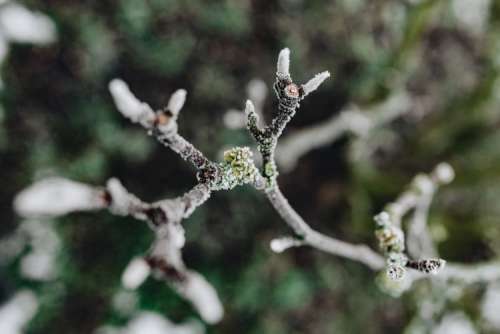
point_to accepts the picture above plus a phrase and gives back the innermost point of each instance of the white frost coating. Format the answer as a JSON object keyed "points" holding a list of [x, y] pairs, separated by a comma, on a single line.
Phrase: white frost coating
{"points": [[128, 105], [356, 122], [424, 184], [17, 312], [39, 265], [472, 15], [154, 323], [456, 323], [281, 244], [122, 201], [19, 24], [444, 173], [56, 196], [283, 65], [249, 108], [136, 273], [491, 305], [203, 297], [177, 101], [125, 302], [314, 83]]}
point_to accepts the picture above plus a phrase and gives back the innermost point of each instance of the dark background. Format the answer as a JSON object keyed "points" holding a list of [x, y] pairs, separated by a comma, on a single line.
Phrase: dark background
{"points": [[58, 118]]}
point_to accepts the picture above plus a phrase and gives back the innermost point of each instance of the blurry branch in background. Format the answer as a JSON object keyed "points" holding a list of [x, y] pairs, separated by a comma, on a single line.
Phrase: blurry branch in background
{"points": [[17, 312], [150, 322], [257, 93], [20, 25], [353, 119]]}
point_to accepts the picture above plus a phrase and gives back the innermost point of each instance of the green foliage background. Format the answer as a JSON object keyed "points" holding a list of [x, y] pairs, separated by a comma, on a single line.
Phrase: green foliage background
{"points": [[57, 116]]}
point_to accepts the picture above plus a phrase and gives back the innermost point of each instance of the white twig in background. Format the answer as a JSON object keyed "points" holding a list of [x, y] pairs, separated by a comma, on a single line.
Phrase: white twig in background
{"points": [[490, 306], [351, 120], [153, 323], [456, 323], [257, 93], [279, 245], [57, 196], [17, 312], [18, 24]]}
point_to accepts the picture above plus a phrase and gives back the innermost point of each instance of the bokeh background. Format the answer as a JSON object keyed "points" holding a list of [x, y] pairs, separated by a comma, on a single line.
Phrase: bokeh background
{"points": [[57, 118]]}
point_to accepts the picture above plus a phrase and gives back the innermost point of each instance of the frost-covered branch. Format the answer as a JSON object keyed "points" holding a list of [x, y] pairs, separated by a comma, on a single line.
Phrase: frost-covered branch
{"points": [[390, 233], [351, 120], [163, 217], [289, 95], [58, 196], [17, 312], [18, 24], [307, 236]]}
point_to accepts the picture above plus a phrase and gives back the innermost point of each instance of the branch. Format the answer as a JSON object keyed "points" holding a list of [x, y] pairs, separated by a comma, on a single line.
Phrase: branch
{"points": [[58, 196], [389, 225], [289, 95], [164, 217], [162, 124], [308, 236]]}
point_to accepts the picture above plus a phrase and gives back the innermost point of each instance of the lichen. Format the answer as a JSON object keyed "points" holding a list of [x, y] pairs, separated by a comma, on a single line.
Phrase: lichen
{"points": [[237, 168]]}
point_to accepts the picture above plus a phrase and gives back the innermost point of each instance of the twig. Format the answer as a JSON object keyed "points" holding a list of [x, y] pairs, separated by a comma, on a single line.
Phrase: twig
{"points": [[289, 95]]}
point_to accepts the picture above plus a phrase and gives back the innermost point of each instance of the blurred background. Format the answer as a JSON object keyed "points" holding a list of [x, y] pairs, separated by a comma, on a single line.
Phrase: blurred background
{"points": [[57, 118]]}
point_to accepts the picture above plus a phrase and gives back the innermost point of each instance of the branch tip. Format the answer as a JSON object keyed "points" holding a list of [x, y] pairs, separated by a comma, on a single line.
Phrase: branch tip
{"points": [[283, 66], [315, 82], [177, 101]]}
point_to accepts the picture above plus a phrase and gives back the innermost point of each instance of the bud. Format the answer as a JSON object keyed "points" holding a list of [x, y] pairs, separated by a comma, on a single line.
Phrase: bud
{"points": [[314, 83], [177, 101], [283, 66]]}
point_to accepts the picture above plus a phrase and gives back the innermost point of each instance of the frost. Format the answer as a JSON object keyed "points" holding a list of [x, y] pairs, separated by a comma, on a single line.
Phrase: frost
{"points": [[135, 274], [56, 196], [18, 24], [17, 312]]}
